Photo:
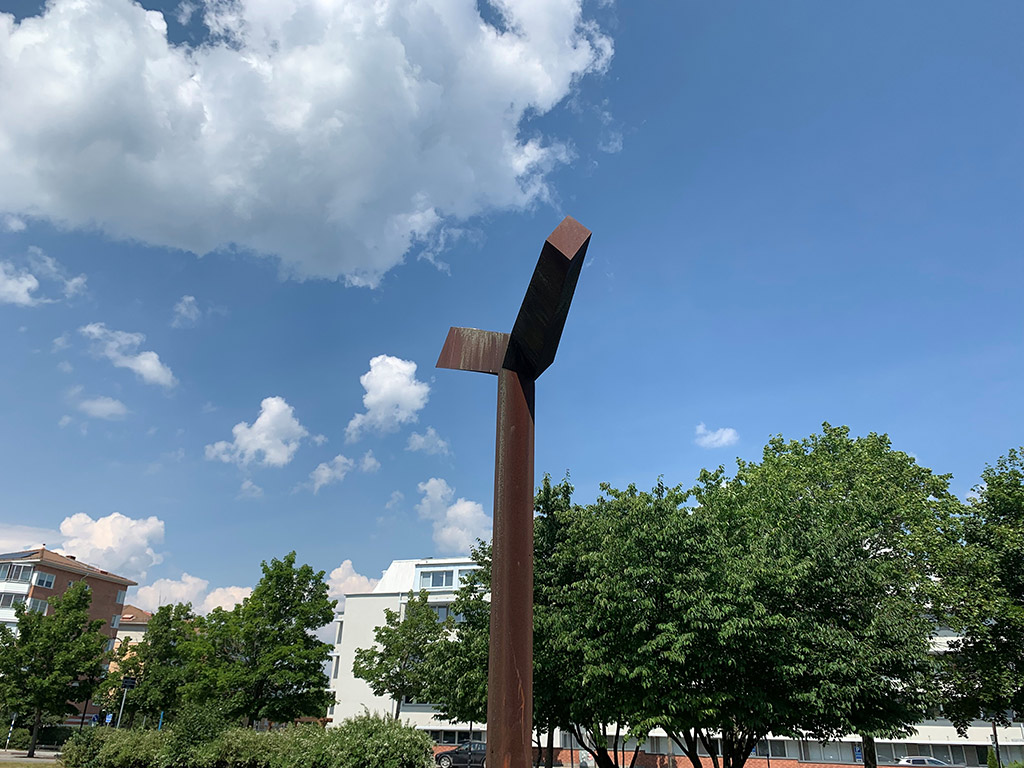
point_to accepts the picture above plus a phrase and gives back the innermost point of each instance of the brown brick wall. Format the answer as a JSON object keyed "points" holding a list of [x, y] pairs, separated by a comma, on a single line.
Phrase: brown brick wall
{"points": [[104, 593]]}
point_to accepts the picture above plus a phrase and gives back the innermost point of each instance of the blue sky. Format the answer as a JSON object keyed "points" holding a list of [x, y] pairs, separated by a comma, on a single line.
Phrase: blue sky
{"points": [[802, 212]]}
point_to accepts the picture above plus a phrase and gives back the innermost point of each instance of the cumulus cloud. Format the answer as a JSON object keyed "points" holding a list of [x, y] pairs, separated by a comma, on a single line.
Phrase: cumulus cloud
{"points": [[394, 396], [103, 408], [457, 525], [718, 438], [186, 312], [120, 348], [328, 473], [369, 462], [429, 442], [117, 543], [344, 580], [272, 439], [18, 287], [189, 589], [335, 136]]}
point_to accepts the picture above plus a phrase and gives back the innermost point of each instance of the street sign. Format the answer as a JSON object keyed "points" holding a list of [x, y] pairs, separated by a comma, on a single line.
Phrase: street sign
{"points": [[127, 682], [857, 752], [110, 718]]}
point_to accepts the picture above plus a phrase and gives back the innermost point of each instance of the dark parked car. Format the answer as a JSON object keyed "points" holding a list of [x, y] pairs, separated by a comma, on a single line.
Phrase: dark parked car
{"points": [[469, 753]]}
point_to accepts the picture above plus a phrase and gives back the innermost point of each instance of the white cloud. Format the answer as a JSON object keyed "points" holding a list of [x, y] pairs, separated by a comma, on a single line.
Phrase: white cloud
{"points": [[319, 439], [49, 268], [334, 135], [12, 223], [369, 462], [60, 343], [272, 439], [14, 538], [65, 367], [344, 580], [429, 442], [393, 397], [457, 525], [249, 490], [330, 472], [120, 348], [718, 438], [120, 544], [17, 286], [64, 421], [186, 312], [103, 408], [397, 497], [188, 589]]}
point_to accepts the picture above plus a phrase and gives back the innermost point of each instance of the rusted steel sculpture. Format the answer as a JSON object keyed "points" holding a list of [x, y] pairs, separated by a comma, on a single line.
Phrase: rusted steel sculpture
{"points": [[517, 359]]}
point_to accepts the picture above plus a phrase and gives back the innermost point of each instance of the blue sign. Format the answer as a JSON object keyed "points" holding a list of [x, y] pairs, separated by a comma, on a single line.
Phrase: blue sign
{"points": [[110, 718], [857, 753]]}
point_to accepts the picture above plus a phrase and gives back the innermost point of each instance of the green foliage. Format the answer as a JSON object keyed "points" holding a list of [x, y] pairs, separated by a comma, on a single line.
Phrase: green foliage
{"points": [[195, 727], [54, 658], [381, 742], [20, 738], [263, 659], [199, 741], [983, 672], [993, 761], [399, 663], [790, 598]]}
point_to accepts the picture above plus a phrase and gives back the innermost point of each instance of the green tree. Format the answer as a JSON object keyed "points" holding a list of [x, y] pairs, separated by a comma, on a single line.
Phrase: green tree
{"points": [[166, 663], [397, 665], [813, 614], [983, 671], [52, 656], [263, 659]]}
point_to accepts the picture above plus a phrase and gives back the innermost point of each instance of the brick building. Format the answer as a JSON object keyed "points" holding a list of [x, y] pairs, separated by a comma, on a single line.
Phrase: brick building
{"points": [[33, 576]]}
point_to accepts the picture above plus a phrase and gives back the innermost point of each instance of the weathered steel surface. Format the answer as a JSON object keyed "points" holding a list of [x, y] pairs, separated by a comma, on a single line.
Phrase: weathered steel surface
{"points": [[470, 349], [510, 671], [518, 359], [538, 327]]}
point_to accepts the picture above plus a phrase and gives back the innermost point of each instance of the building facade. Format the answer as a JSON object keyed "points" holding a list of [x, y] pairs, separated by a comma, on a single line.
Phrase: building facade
{"points": [[441, 577], [31, 577]]}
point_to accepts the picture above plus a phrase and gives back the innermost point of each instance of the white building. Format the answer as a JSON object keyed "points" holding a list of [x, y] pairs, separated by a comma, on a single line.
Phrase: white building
{"points": [[441, 577]]}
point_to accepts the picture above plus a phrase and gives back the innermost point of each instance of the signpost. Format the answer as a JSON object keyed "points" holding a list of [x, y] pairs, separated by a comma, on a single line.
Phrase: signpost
{"points": [[126, 683], [517, 359]]}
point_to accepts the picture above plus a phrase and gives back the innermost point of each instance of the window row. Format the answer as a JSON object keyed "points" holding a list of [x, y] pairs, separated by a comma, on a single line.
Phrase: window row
{"points": [[455, 737], [443, 579], [10, 572]]}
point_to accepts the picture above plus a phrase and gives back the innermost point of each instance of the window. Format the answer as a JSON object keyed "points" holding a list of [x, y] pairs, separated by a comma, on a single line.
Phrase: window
{"points": [[337, 667], [959, 757], [337, 640], [8, 600], [778, 747], [442, 611], [436, 579], [10, 572], [34, 604], [115, 622], [45, 580], [884, 753], [121, 595], [110, 644]]}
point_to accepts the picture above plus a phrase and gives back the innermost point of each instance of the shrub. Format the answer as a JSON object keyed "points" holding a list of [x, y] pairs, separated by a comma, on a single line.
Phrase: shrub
{"points": [[190, 737], [83, 748], [378, 741], [993, 761], [20, 738]]}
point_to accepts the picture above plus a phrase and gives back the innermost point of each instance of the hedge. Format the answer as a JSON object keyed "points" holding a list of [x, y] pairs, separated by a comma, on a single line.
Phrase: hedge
{"points": [[367, 740]]}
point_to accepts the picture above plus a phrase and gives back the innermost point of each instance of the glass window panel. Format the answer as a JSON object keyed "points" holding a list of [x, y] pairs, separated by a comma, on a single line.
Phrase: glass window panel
{"points": [[941, 751], [812, 751], [778, 747], [831, 752], [980, 755], [899, 749], [425, 580], [761, 750], [884, 753], [958, 757], [448, 737], [4, 570]]}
